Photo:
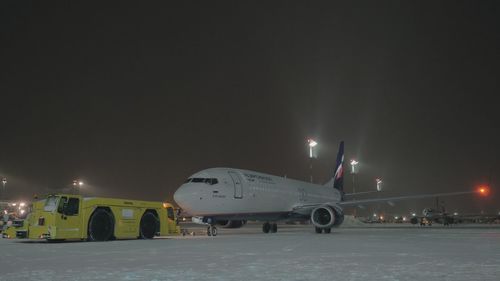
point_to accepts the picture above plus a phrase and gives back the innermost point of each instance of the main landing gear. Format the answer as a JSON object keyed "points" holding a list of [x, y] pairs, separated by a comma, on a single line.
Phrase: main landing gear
{"points": [[269, 227], [326, 230], [212, 230]]}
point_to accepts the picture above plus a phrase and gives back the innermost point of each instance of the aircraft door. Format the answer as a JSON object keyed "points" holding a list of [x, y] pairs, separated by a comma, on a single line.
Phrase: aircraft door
{"points": [[238, 186]]}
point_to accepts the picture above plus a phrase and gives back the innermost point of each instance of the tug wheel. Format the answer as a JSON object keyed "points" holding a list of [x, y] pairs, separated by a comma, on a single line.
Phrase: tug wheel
{"points": [[149, 224], [101, 226]]}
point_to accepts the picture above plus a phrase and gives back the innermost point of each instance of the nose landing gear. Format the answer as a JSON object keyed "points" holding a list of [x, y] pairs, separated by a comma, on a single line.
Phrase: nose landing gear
{"points": [[212, 230], [269, 227], [320, 230]]}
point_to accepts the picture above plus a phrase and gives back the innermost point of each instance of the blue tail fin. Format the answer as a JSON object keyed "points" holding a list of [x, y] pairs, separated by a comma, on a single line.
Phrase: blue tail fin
{"points": [[338, 176]]}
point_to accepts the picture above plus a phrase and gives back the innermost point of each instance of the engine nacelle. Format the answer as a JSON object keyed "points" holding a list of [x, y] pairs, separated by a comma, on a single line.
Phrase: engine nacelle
{"points": [[232, 223], [327, 216]]}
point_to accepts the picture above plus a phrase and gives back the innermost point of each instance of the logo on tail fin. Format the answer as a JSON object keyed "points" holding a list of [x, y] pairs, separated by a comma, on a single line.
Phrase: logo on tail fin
{"points": [[338, 178]]}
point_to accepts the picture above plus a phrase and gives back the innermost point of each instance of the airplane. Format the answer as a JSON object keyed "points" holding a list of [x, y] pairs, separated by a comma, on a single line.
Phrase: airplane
{"points": [[430, 216], [230, 197]]}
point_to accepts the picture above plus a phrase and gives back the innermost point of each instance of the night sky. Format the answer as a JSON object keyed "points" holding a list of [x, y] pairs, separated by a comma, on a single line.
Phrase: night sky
{"points": [[134, 98]]}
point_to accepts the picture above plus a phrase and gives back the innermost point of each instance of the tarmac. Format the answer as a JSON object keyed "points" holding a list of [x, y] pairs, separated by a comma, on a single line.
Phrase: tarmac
{"points": [[374, 252]]}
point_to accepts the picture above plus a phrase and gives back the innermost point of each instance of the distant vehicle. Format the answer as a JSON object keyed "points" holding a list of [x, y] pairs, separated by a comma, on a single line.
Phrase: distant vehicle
{"points": [[10, 213], [11, 229], [69, 216], [227, 194], [430, 216]]}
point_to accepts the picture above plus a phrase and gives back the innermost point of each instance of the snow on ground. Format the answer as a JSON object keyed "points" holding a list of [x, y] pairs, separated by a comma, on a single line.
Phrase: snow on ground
{"points": [[294, 253]]}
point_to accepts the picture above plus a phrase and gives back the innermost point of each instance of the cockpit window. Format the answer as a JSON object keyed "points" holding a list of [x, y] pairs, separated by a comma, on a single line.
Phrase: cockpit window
{"points": [[210, 181]]}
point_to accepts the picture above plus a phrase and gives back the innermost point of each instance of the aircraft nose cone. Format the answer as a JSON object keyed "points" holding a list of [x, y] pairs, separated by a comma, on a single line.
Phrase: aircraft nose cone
{"points": [[180, 197]]}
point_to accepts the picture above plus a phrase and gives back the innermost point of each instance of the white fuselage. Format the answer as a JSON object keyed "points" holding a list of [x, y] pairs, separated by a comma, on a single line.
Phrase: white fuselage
{"points": [[243, 194]]}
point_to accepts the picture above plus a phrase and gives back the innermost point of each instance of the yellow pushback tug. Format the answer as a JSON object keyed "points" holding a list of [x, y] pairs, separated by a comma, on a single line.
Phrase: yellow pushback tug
{"points": [[69, 216]]}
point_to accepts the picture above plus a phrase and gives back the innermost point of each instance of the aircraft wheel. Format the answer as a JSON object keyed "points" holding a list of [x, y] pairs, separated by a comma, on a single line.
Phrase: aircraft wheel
{"points": [[328, 230], [101, 226], [266, 227], [148, 226], [318, 230], [212, 231], [274, 228]]}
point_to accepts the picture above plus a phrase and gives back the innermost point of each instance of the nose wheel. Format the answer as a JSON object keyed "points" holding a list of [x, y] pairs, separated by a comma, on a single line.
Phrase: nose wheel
{"points": [[325, 230], [212, 230], [269, 227]]}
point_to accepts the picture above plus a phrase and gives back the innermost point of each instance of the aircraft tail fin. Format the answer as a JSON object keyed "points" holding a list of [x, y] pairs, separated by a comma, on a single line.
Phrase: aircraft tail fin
{"points": [[338, 177]]}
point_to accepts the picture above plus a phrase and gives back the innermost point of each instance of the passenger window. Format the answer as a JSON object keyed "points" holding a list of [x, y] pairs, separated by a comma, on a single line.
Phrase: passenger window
{"points": [[197, 180], [60, 207], [215, 181], [72, 207], [170, 213]]}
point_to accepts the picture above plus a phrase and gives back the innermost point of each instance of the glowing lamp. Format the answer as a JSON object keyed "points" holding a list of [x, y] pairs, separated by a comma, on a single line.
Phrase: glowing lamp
{"points": [[312, 143], [483, 191]]}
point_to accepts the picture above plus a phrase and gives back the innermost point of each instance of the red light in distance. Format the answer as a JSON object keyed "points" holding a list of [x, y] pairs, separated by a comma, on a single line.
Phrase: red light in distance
{"points": [[483, 190]]}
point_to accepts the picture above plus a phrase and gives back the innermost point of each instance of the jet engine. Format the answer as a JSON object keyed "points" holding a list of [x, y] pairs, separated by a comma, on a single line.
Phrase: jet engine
{"points": [[327, 216], [232, 223]]}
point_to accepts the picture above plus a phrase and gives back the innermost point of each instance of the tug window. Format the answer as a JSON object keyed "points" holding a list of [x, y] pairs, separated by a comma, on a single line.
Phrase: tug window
{"points": [[50, 204], [170, 213], [72, 207], [60, 207], [68, 207]]}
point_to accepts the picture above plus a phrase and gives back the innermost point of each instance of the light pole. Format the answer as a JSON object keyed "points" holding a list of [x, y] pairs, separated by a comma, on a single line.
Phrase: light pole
{"points": [[379, 188], [354, 163], [379, 184], [311, 144], [4, 182], [76, 185]]}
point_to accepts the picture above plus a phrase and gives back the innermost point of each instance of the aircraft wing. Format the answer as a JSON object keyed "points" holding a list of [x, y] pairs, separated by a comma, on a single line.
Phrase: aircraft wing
{"points": [[304, 208], [400, 198]]}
